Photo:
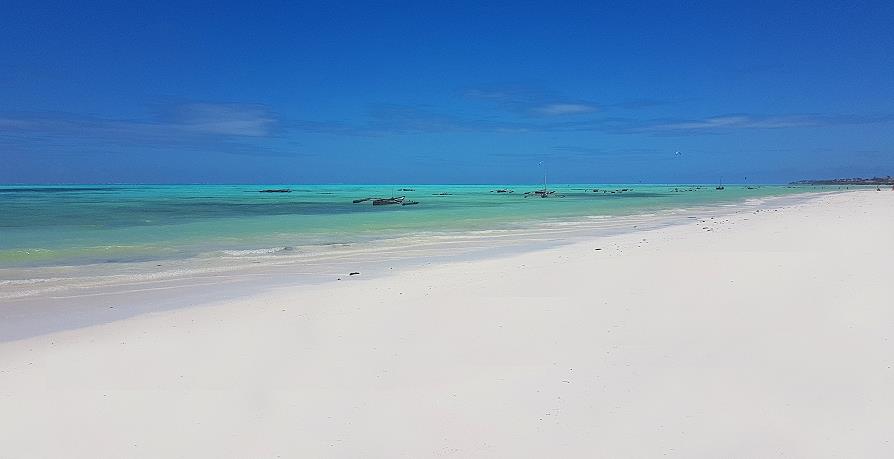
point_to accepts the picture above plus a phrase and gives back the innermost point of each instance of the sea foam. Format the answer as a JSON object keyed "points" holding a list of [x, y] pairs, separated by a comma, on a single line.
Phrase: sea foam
{"points": [[250, 252]]}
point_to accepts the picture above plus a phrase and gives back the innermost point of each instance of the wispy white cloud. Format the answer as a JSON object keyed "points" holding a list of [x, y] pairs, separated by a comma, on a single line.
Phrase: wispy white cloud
{"points": [[385, 119], [643, 103], [254, 129], [389, 118], [193, 119], [191, 126], [559, 109], [743, 121], [530, 101], [740, 122], [223, 119]]}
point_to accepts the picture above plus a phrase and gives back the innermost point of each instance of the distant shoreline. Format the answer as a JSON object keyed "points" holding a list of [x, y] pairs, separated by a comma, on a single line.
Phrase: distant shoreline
{"points": [[889, 180]]}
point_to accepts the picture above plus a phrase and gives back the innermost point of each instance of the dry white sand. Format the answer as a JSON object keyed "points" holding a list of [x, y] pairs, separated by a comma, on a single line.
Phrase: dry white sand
{"points": [[759, 335]]}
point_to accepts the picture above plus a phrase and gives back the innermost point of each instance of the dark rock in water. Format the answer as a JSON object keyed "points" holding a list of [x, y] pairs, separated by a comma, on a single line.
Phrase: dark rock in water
{"points": [[353, 273], [280, 190]]}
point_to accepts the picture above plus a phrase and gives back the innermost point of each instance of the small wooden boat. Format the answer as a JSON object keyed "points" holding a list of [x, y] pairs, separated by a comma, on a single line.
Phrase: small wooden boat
{"points": [[540, 193], [388, 201]]}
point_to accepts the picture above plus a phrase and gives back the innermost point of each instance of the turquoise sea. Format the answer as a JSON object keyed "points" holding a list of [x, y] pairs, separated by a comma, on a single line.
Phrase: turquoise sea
{"points": [[91, 224]]}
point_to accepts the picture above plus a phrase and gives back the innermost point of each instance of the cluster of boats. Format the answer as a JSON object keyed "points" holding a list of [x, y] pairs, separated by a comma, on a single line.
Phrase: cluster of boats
{"points": [[402, 200], [544, 193]]}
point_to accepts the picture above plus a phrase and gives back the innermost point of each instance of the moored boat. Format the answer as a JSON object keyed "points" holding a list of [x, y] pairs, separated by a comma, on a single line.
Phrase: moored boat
{"points": [[388, 201]]}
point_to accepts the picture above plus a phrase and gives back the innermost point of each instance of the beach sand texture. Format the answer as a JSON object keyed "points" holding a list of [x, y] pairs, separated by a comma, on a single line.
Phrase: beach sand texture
{"points": [[761, 334]]}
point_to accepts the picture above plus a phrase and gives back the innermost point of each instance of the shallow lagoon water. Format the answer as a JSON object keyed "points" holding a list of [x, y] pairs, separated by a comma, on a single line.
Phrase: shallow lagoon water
{"points": [[74, 225]]}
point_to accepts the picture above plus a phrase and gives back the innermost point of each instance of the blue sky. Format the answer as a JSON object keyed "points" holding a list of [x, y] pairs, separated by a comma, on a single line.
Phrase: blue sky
{"points": [[413, 92]]}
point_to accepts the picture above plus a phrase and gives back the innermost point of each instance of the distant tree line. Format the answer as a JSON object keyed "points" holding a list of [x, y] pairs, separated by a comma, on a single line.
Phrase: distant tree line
{"points": [[849, 181]]}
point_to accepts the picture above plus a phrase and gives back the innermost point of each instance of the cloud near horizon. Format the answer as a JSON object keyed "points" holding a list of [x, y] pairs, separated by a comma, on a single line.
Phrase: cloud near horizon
{"points": [[229, 128], [240, 128], [746, 121], [231, 120], [250, 120]]}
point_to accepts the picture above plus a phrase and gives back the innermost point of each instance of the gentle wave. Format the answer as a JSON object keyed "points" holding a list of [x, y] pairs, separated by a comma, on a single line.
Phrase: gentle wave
{"points": [[250, 252], [38, 280]]}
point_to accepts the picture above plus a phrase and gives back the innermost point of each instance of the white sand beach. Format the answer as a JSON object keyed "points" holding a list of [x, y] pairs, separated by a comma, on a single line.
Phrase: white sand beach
{"points": [[760, 334]]}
